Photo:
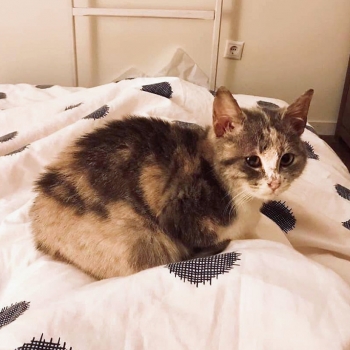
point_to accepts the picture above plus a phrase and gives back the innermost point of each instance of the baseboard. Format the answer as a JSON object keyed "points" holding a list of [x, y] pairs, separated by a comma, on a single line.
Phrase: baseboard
{"points": [[324, 128]]}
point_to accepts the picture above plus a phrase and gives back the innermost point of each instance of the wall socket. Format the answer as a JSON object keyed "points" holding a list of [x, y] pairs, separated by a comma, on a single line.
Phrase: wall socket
{"points": [[234, 49]]}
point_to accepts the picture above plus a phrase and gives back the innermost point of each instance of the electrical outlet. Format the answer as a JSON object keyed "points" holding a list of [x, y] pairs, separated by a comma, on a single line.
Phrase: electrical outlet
{"points": [[234, 49]]}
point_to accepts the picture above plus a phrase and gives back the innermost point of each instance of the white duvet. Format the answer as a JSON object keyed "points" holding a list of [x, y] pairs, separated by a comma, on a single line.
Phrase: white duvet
{"points": [[288, 290]]}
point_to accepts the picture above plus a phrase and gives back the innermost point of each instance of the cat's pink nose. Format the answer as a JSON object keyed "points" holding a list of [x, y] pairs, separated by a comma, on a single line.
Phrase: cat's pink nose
{"points": [[274, 184]]}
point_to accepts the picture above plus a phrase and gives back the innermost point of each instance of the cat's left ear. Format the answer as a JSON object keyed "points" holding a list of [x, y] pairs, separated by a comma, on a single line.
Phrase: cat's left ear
{"points": [[297, 112], [227, 115]]}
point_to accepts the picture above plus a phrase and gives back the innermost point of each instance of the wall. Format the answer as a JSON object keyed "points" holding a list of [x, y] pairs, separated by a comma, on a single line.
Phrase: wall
{"points": [[34, 45], [290, 46]]}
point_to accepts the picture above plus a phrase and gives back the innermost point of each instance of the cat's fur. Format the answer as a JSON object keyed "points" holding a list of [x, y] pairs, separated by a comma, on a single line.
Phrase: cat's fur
{"points": [[142, 192]]}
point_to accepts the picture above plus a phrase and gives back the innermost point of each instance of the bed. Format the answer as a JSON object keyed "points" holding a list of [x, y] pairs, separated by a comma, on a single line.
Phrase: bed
{"points": [[288, 289]]}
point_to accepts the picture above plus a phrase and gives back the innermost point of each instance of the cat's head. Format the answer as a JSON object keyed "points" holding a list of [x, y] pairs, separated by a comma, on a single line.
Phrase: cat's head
{"points": [[259, 151]]}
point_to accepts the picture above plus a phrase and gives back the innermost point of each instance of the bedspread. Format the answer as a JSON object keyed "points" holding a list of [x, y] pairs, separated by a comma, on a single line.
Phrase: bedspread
{"points": [[288, 290]]}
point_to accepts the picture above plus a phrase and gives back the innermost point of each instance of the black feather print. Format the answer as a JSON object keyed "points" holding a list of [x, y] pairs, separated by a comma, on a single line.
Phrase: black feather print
{"points": [[8, 137], [10, 313], [99, 113], [201, 270], [279, 213]]}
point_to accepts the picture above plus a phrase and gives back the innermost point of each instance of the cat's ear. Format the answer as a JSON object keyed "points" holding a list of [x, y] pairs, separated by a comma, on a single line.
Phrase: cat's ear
{"points": [[227, 116], [296, 113]]}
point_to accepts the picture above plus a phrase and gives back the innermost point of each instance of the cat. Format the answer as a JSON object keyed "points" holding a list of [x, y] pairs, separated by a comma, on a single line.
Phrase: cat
{"points": [[142, 192]]}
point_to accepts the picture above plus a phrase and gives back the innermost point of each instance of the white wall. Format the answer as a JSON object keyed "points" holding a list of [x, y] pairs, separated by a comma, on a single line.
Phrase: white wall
{"points": [[290, 46], [34, 44]]}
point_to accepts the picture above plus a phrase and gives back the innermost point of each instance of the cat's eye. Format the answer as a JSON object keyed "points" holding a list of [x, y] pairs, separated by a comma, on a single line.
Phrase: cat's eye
{"points": [[287, 159], [253, 161]]}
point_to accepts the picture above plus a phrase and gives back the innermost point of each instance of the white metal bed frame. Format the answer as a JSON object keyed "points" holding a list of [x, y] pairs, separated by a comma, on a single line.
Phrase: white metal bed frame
{"points": [[212, 15]]}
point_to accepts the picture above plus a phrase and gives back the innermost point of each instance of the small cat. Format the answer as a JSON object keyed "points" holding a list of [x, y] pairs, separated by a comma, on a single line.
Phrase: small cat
{"points": [[142, 192]]}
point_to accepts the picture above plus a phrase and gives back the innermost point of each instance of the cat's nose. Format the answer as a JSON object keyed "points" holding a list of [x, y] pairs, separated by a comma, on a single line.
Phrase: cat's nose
{"points": [[274, 184]]}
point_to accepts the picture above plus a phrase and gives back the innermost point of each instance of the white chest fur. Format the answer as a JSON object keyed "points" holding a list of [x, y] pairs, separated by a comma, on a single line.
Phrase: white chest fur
{"points": [[244, 224]]}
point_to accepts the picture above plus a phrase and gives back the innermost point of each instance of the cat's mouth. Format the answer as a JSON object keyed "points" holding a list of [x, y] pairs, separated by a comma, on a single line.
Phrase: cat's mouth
{"points": [[267, 193], [271, 195]]}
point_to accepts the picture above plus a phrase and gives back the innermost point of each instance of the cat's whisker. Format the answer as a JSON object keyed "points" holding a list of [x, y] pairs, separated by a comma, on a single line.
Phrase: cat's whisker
{"points": [[229, 206], [243, 200], [242, 193], [239, 197], [232, 209], [231, 203]]}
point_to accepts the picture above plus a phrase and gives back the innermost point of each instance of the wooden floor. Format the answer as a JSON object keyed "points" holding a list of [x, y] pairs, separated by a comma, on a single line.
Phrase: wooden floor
{"points": [[340, 148]]}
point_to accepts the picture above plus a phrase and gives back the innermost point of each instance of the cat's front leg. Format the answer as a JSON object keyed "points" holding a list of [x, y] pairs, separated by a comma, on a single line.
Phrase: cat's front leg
{"points": [[244, 226], [211, 250]]}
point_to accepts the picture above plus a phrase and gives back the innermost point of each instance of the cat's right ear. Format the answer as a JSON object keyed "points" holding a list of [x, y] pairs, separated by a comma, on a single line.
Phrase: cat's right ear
{"points": [[227, 115]]}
